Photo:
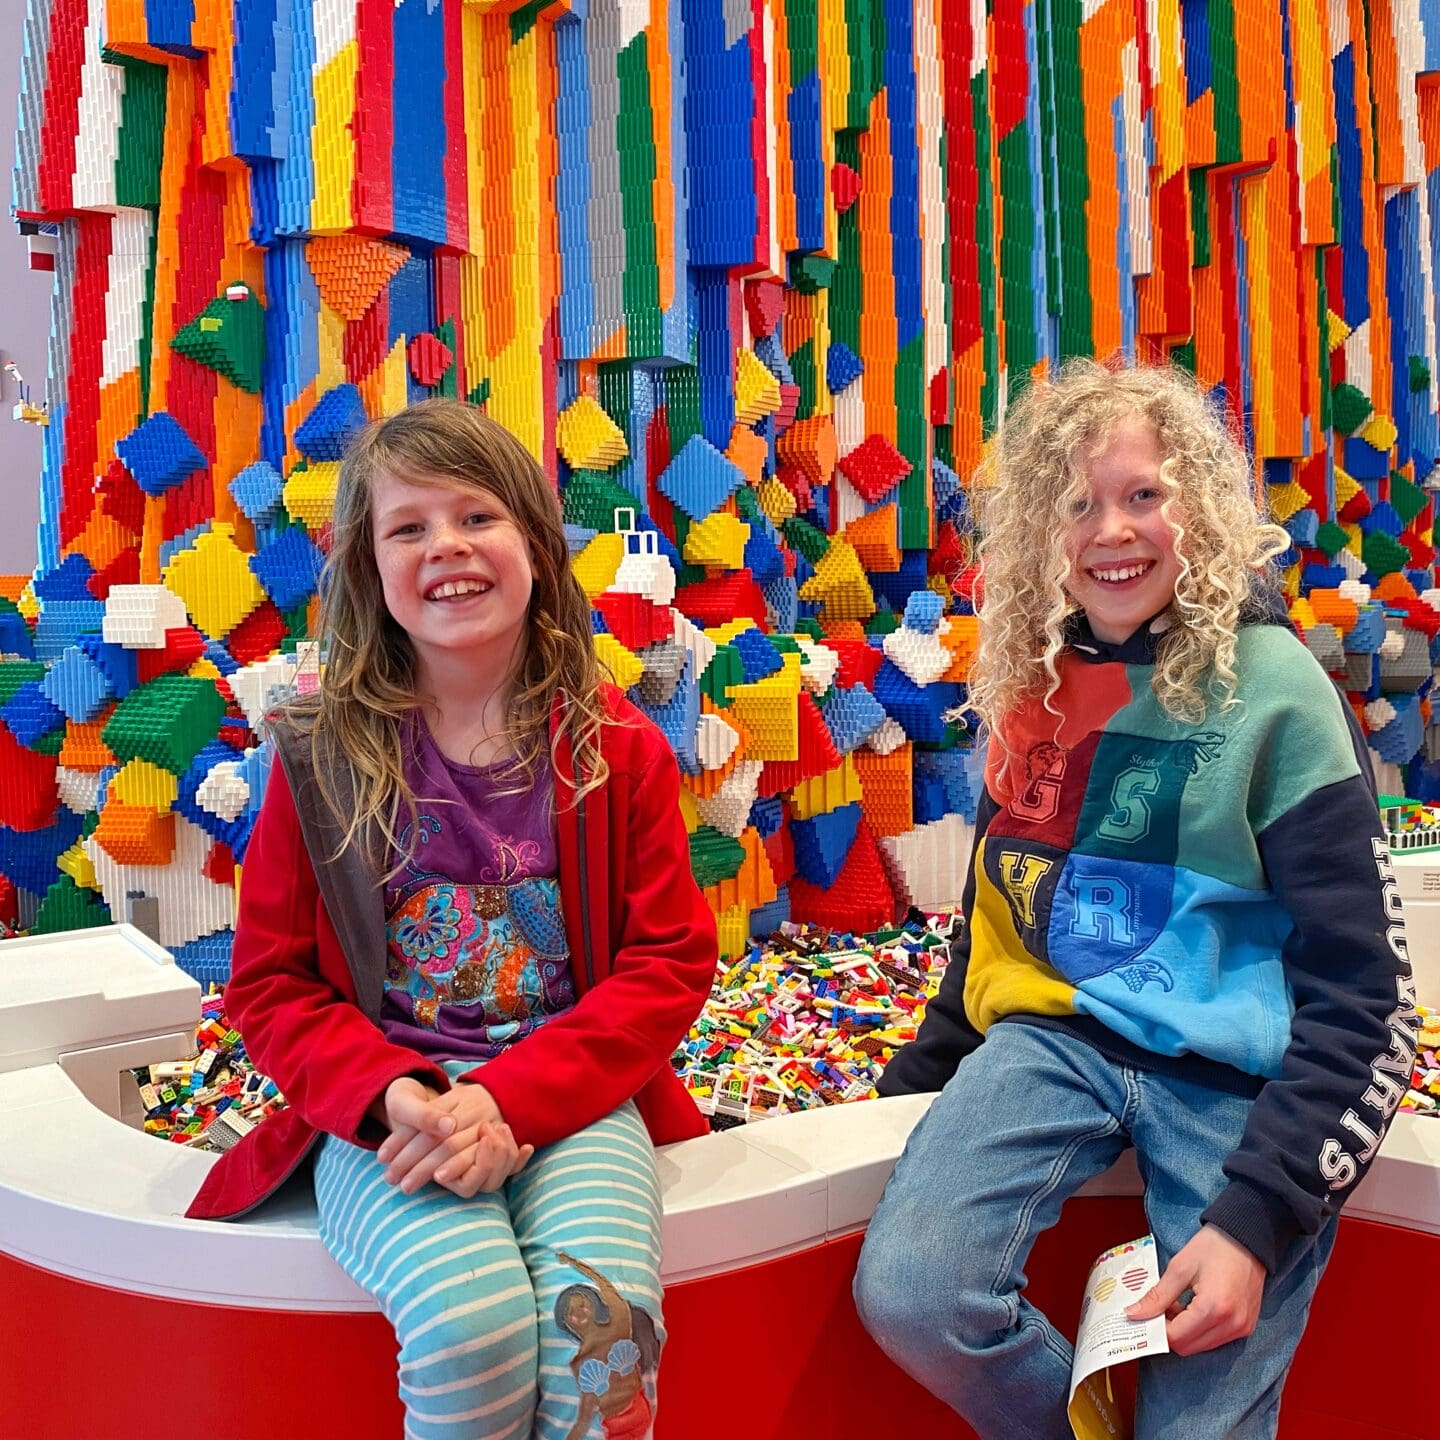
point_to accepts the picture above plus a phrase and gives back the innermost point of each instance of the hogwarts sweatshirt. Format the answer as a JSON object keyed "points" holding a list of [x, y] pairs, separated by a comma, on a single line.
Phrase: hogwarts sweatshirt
{"points": [[1214, 901]]}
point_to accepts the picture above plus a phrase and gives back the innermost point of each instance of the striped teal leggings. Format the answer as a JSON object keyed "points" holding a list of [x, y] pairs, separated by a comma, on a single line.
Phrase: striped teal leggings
{"points": [[532, 1311]]}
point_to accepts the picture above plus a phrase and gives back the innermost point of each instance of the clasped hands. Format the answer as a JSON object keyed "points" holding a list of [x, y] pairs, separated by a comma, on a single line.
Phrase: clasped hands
{"points": [[458, 1139]]}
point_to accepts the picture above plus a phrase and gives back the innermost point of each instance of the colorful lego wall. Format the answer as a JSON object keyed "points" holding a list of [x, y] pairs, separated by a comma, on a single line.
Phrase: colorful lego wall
{"points": [[750, 277]]}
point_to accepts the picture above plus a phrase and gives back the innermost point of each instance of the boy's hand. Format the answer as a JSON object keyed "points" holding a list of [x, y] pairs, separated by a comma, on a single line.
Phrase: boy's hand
{"points": [[428, 1132], [1227, 1281]]}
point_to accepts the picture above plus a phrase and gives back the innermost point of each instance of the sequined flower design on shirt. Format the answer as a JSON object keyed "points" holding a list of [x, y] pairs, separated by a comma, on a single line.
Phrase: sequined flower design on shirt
{"points": [[429, 934]]}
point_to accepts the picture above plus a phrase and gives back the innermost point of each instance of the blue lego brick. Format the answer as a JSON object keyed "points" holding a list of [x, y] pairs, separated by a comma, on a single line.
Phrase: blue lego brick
{"points": [[766, 919], [1382, 517], [759, 656], [1302, 527], [1362, 460], [842, 366], [288, 567], [918, 710], [421, 142], [255, 766], [923, 611], [782, 600], [897, 586], [257, 490], [160, 454], [206, 959], [700, 479], [951, 501], [76, 685], [770, 352], [597, 624], [1321, 577], [852, 716], [329, 427], [679, 718], [15, 636], [577, 537], [220, 657], [1400, 740], [767, 815], [822, 843], [235, 833], [763, 558], [118, 664], [1368, 633], [945, 775], [30, 714], [27, 857], [68, 581]]}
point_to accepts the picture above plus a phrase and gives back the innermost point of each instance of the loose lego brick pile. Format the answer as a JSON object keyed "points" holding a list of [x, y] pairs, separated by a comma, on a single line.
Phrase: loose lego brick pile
{"points": [[809, 1018], [212, 1099], [1423, 1097]]}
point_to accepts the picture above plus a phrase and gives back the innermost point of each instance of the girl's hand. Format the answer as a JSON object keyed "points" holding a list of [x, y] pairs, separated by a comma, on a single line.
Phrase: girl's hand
{"points": [[487, 1164], [427, 1135], [1228, 1284]]}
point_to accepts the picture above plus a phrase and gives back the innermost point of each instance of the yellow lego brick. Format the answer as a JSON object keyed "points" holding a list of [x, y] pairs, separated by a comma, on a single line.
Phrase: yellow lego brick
{"points": [[1285, 500], [757, 391], [204, 670], [623, 664], [142, 784], [309, 494], [839, 583], [1380, 432], [1303, 615], [214, 579], [823, 793], [587, 437], [724, 634], [732, 930], [596, 564], [769, 709], [776, 501], [1346, 489], [1337, 332], [27, 604], [79, 866], [688, 811], [718, 539]]}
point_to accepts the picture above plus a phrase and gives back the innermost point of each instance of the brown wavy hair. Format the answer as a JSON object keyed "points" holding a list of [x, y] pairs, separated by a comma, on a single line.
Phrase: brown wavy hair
{"points": [[367, 688], [1027, 490]]}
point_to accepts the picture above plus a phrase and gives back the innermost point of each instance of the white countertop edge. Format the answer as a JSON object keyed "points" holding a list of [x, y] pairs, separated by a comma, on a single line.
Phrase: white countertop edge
{"points": [[732, 1200]]}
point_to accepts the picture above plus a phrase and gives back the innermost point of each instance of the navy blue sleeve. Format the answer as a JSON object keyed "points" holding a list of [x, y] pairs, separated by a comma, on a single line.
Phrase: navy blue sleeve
{"points": [[946, 1035], [1316, 1126]]}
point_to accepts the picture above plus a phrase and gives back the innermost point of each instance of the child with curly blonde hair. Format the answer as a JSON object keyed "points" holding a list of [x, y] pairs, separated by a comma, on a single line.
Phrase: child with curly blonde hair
{"points": [[1183, 933]]}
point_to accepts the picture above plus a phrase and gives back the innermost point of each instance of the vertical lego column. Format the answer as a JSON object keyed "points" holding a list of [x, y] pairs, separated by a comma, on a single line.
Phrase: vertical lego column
{"points": [[334, 68], [419, 141]]}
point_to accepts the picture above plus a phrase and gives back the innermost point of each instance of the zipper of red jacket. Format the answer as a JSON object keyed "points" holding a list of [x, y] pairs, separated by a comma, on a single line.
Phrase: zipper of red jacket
{"points": [[585, 893]]}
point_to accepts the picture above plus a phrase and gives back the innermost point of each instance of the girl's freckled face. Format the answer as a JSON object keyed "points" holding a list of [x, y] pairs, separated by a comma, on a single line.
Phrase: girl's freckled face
{"points": [[455, 569], [1122, 550]]}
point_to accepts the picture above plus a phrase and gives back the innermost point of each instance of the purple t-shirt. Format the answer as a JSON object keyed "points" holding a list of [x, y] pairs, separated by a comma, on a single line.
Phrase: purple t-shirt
{"points": [[477, 952]]}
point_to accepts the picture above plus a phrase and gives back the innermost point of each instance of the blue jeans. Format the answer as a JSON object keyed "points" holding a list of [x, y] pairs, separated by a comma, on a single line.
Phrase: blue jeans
{"points": [[1024, 1122]]}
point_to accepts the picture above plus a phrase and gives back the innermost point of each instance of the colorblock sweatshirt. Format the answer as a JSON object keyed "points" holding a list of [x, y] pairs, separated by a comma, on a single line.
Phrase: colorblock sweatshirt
{"points": [[1212, 900]]}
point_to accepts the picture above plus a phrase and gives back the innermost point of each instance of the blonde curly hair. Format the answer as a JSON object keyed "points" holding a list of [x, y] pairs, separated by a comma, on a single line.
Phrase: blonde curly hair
{"points": [[1028, 491]]}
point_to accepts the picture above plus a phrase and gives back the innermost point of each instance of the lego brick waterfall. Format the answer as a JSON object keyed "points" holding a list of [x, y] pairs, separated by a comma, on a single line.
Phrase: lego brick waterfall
{"points": [[750, 279]]}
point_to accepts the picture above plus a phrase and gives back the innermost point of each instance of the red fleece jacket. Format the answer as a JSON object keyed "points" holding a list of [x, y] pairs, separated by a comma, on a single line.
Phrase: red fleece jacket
{"points": [[642, 968]]}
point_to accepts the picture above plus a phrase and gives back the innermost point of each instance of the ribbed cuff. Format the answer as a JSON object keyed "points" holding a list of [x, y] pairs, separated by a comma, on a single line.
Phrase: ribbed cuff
{"points": [[1259, 1221]]}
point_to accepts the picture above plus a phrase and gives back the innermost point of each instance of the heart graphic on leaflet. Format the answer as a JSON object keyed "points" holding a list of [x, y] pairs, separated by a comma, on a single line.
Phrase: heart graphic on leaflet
{"points": [[1134, 1279], [1104, 1288]]}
